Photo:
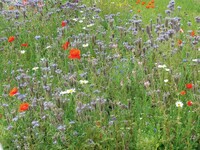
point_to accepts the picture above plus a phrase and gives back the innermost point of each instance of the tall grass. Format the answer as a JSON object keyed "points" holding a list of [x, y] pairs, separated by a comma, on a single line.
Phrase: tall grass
{"points": [[126, 91]]}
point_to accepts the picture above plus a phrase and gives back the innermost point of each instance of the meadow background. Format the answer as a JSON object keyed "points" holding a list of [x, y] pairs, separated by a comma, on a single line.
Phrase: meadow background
{"points": [[100, 74]]}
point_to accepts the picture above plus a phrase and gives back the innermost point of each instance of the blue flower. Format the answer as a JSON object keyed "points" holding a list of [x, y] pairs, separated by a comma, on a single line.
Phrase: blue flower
{"points": [[37, 37]]}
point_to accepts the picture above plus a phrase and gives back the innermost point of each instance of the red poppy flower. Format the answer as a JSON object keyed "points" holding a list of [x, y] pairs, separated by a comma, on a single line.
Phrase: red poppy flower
{"points": [[11, 39], [192, 33], [13, 91], [23, 107], [64, 23], [189, 85], [189, 103], [75, 54], [152, 6], [148, 6], [24, 45], [182, 92], [65, 46], [143, 3], [138, 1]]}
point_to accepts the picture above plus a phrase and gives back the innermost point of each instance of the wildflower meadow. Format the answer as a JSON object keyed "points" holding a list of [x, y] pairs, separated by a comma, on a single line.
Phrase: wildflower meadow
{"points": [[100, 74]]}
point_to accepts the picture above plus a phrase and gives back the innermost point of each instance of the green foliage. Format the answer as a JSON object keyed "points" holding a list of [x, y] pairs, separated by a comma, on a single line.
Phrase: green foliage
{"points": [[130, 99]]}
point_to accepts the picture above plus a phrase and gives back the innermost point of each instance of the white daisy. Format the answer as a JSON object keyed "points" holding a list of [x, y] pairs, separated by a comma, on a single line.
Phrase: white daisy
{"points": [[162, 66], [35, 68], [167, 69], [85, 45], [83, 81], [179, 104], [48, 47], [196, 60], [42, 59], [166, 80], [75, 19], [22, 51], [70, 91], [90, 25]]}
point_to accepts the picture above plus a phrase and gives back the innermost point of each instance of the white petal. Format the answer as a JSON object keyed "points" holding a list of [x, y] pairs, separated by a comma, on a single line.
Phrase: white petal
{"points": [[22, 52], [1, 148], [85, 45], [35, 68]]}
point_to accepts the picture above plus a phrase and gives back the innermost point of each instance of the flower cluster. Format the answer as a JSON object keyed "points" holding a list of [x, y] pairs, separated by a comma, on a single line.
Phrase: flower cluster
{"points": [[182, 93], [87, 73]]}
